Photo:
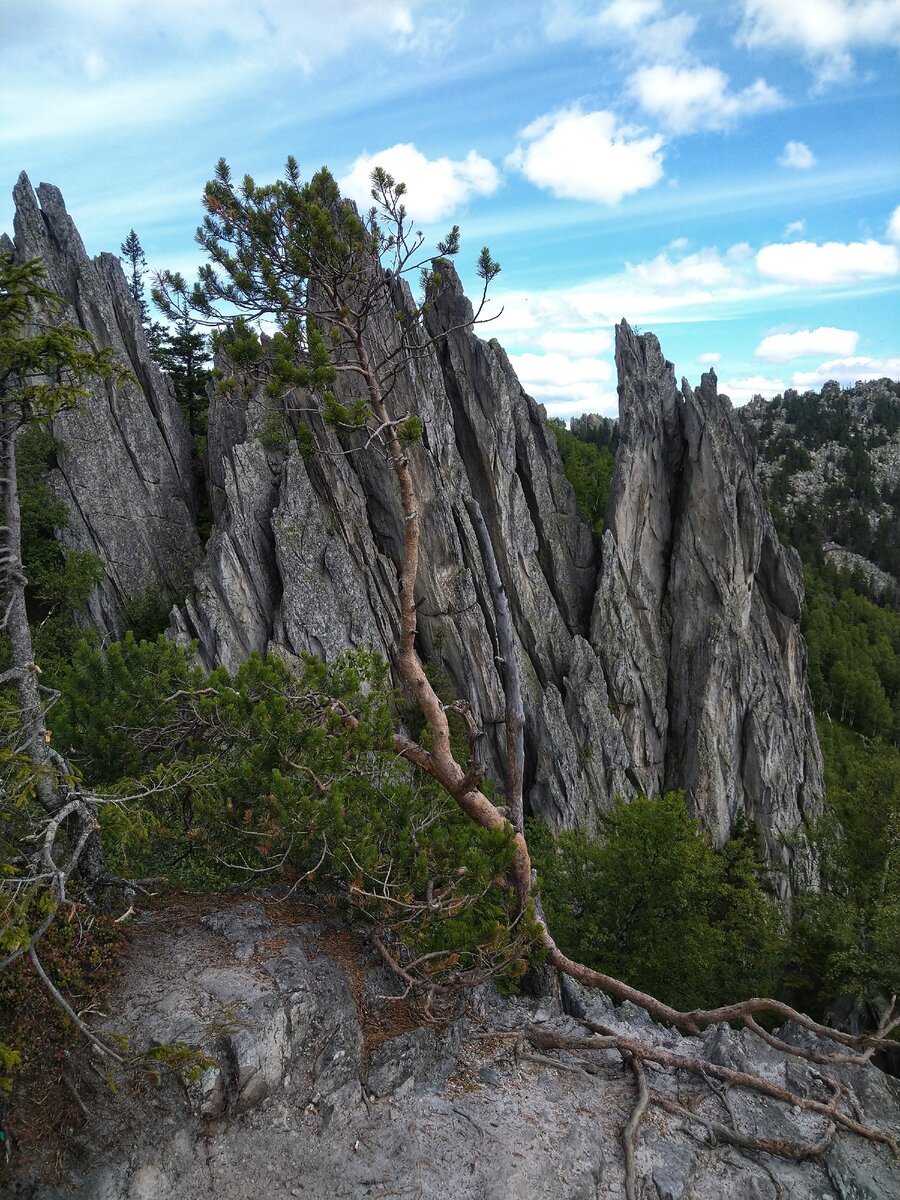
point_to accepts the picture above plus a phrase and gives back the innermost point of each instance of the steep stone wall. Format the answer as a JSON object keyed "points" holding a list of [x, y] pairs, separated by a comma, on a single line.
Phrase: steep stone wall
{"points": [[124, 460], [697, 611], [667, 656]]}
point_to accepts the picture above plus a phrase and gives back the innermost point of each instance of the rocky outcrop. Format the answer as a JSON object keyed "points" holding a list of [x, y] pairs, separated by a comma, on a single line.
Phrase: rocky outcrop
{"points": [[123, 465], [669, 656], [697, 612], [670, 659], [322, 1088]]}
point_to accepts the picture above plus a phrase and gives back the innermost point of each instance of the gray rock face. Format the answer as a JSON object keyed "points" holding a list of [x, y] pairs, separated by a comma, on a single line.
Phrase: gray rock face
{"points": [[667, 657], [671, 659], [124, 461], [323, 1089], [706, 665]]}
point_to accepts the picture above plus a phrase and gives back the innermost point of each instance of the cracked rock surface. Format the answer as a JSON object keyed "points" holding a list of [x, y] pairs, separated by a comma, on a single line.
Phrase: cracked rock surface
{"points": [[123, 463], [665, 655], [323, 1089]]}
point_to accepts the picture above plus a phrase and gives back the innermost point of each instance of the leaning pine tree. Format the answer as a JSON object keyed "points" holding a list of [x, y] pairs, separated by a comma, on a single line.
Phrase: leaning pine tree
{"points": [[294, 254]]}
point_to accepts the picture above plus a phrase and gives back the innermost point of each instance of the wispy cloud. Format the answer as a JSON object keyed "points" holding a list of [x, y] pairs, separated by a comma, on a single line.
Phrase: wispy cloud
{"points": [[825, 32]]}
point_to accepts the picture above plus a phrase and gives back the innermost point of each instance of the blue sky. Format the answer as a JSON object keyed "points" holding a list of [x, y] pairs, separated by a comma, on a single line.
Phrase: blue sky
{"points": [[726, 174]]}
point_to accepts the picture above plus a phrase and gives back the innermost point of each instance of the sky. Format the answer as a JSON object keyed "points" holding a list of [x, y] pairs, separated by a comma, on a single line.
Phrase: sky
{"points": [[725, 175]]}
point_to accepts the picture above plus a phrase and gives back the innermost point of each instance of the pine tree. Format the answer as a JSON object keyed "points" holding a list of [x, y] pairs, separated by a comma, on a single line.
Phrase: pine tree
{"points": [[183, 353], [133, 253]]}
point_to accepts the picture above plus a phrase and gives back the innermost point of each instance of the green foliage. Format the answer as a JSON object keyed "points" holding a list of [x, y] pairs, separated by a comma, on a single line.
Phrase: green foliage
{"points": [[843, 428], [132, 252], [226, 777], [651, 902], [187, 1062], [272, 433], [44, 362], [846, 935], [854, 656], [183, 353], [589, 468], [10, 1062]]}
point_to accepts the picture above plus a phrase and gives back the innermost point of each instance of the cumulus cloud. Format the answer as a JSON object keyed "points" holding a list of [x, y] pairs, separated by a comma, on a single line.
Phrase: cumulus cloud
{"points": [[710, 359], [797, 155], [794, 228], [686, 99], [826, 32], [785, 347], [848, 371], [567, 386], [828, 263], [588, 156], [436, 187], [893, 229]]}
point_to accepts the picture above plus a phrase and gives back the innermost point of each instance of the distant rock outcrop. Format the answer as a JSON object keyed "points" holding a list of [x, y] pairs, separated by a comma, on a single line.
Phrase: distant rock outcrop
{"points": [[667, 657], [698, 609], [124, 461]]}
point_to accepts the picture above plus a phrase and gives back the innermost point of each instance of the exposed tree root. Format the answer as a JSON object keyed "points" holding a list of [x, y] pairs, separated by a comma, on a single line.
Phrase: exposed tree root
{"points": [[637, 1053]]}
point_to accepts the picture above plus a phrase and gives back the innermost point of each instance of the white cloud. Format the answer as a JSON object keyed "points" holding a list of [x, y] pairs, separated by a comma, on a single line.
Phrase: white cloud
{"points": [[828, 263], [686, 99], [566, 386], [436, 187], [706, 269], [745, 387], [847, 371], [893, 229], [797, 155], [785, 347], [588, 156], [794, 228], [710, 359], [826, 32]]}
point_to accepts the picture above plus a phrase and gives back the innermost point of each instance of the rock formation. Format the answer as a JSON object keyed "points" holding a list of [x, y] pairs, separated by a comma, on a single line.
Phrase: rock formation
{"points": [[123, 465], [667, 657], [322, 1089], [697, 612]]}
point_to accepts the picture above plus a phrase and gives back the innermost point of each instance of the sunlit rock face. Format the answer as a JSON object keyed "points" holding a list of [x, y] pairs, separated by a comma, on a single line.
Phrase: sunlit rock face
{"points": [[123, 463], [698, 608], [666, 655]]}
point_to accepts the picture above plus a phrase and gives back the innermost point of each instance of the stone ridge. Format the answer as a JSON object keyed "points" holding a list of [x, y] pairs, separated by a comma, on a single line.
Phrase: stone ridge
{"points": [[667, 656], [124, 467]]}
